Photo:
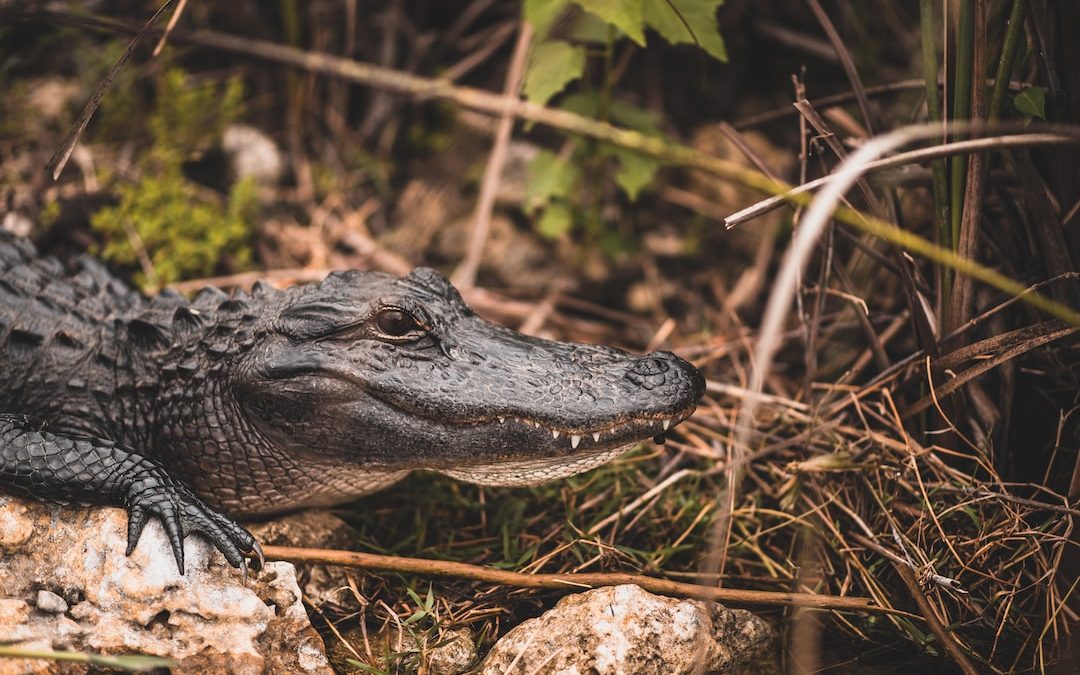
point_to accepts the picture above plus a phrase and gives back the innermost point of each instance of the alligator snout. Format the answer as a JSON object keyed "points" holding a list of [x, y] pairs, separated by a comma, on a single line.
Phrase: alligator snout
{"points": [[661, 369]]}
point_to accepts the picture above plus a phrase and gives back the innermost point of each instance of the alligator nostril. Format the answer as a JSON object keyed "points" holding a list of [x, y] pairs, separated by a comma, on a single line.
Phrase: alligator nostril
{"points": [[648, 372], [650, 365]]}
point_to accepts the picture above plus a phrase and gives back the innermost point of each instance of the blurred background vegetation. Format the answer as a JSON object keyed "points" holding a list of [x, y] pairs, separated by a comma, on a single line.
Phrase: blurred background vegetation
{"points": [[210, 164]]}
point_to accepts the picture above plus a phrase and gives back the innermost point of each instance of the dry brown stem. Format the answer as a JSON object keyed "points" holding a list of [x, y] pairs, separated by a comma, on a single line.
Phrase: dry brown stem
{"points": [[583, 581]]}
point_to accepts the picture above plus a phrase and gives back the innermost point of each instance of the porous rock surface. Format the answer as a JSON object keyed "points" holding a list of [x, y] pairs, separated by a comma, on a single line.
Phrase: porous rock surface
{"points": [[626, 630], [65, 584], [313, 528]]}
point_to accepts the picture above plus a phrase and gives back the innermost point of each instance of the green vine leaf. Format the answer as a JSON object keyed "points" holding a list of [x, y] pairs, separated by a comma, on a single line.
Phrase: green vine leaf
{"points": [[556, 221], [625, 15], [554, 65], [543, 14], [635, 171], [1031, 102], [687, 22], [550, 177]]}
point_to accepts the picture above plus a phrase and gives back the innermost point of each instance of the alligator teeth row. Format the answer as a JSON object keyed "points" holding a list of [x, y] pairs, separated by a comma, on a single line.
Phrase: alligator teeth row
{"points": [[575, 439]]}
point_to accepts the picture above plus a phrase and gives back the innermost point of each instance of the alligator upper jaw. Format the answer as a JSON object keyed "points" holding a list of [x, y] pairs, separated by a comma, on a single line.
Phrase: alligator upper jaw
{"points": [[603, 433]]}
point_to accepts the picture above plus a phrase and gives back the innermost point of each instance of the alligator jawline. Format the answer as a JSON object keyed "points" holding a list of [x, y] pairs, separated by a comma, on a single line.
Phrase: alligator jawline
{"points": [[611, 435], [659, 424]]}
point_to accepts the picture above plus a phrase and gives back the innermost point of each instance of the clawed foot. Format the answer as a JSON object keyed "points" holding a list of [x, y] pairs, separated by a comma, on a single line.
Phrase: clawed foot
{"points": [[182, 513]]}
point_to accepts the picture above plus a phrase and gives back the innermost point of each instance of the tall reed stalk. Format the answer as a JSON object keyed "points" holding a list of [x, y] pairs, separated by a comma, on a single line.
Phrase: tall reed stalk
{"points": [[933, 110]]}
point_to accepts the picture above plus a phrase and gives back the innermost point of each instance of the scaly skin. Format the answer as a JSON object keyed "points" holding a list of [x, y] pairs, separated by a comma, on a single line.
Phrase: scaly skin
{"points": [[313, 395]]}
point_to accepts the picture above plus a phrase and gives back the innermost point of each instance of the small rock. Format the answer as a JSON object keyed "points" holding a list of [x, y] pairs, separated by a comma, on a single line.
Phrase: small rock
{"points": [[252, 154], [626, 630], [453, 654], [18, 224], [449, 652], [312, 528], [208, 620], [50, 98], [50, 602]]}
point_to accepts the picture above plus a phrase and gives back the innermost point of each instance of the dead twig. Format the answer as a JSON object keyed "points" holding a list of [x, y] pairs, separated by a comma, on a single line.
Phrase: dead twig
{"points": [[903, 159], [465, 275], [579, 581], [989, 364], [173, 20], [847, 62], [956, 653], [60, 158]]}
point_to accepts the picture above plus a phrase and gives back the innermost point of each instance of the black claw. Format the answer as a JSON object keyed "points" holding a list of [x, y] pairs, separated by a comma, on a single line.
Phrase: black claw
{"points": [[257, 550], [176, 538], [182, 513], [136, 523]]}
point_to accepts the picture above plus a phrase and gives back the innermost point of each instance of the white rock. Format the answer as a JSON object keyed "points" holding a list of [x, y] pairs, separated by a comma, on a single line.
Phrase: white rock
{"points": [[252, 153], [50, 602], [207, 620], [624, 630], [18, 224]]}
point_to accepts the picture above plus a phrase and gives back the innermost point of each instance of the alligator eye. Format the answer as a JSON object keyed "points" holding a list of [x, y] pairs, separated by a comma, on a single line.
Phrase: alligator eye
{"points": [[397, 323]]}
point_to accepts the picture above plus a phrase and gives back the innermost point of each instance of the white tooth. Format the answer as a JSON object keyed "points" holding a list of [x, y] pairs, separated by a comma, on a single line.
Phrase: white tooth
{"points": [[652, 423], [554, 434], [666, 424], [596, 436], [574, 440], [502, 420]]}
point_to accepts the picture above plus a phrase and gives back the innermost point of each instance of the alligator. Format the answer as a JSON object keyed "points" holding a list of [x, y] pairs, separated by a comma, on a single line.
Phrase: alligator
{"points": [[200, 413]]}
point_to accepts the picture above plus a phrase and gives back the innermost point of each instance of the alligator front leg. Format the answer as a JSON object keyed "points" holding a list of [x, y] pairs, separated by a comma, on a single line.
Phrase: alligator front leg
{"points": [[45, 465]]}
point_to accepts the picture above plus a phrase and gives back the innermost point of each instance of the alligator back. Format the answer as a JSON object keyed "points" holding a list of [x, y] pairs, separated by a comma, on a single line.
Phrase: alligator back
{"points": [[59, 359]]}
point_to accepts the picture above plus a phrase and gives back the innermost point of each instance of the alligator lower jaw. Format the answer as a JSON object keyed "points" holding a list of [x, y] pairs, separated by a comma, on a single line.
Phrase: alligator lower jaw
{"points": [[534, 471]]}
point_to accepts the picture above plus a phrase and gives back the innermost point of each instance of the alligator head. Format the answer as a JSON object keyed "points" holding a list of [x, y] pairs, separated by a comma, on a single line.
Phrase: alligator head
{"points": [[393, 374]]}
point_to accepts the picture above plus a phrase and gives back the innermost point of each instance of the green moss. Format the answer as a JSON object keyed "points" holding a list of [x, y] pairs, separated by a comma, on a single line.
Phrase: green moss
{"points": [[50, 212], [179, 233], [166, 227]]}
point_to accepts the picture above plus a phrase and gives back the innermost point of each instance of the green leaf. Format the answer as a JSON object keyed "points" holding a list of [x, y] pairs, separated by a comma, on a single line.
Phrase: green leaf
{"points": [[589, 28], [553, 65], [1031, 102], [586, 104], [634, 117], [556, 221], [623, 14], [687, 22], [635, 171], [543, 14], [549, 177]]}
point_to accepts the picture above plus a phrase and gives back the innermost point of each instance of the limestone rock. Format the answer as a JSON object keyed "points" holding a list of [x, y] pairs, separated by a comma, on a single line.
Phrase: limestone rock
{"points": [[625, 630], [313, 528], [208, 620]]}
